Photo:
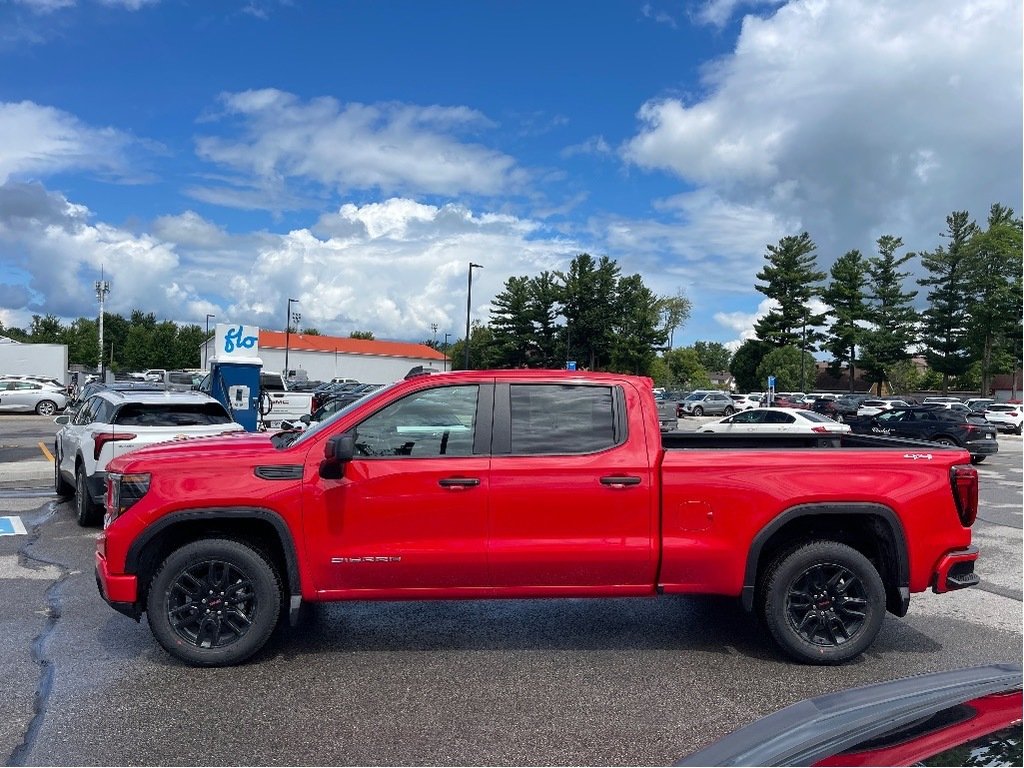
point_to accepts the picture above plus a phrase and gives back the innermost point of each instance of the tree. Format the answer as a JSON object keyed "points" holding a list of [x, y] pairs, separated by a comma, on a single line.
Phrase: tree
{"points": [[365, 335], [636, 327], [994, 263], [713, 355], [890, 312], [545, 300], [790, 371], [46, 330], [481, 349], [311, 332], [512, 323], [745, 362], [675, 311], [845, 295], [589, 303], [945, 321], [789, 279], [686, 369], [904, 377]]}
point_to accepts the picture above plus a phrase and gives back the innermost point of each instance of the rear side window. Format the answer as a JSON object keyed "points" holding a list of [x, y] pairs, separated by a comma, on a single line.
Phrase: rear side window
{"points": [[171, 415], [561, 419]]}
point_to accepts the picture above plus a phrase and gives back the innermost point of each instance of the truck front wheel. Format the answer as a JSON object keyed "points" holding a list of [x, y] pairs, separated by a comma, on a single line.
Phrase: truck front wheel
{"points": [[823, 602], [214, 602]]}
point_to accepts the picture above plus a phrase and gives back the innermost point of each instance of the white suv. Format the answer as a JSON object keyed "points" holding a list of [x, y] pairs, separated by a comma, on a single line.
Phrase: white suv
{"points": [[111, 423], [1005, 416]]}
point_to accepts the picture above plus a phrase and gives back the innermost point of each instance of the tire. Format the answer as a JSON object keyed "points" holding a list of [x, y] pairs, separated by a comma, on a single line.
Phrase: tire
{"points": [[977, 459], [729, 410], [698, 411], [815, 594], [1018, 429], [228, 573], [86, 510], [62, 487], [46, 407], [947, 441]]}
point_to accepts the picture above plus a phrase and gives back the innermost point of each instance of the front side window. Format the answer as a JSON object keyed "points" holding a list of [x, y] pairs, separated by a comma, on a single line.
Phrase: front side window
{"points": [[561, 419], [86, 415], [747, 417], [428, 424]]}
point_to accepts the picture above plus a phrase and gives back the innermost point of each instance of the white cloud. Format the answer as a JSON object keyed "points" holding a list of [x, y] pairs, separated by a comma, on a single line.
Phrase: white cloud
{"points": [[854, 117], [718, 12], [45, 6], [128, 5], [39, 140], [595, 145], [387, 147]]}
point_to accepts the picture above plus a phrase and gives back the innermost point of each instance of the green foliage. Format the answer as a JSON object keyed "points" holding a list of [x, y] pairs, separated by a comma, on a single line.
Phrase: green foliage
{"points": [[311, 332], [636, 331], [482, 350], [675, 311], [660, 373], [365, 335], [686, 369], [745, 363], [784, 363], [890, 311], [589, 306], [512, 323], [790, 278], [945, 321], [904, 377], [713, 355], [845, 295]]}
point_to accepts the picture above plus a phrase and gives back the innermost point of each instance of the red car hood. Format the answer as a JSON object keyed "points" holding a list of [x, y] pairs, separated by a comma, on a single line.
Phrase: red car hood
{"points": [[242, 446]]}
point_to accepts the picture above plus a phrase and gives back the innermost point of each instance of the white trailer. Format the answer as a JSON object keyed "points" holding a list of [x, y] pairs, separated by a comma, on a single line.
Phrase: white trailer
{"points": [[49, 360]]}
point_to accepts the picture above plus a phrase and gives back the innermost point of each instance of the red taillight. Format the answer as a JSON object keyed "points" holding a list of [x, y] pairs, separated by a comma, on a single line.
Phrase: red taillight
{"points": [[102, 438], [964, 480], [819, 429]]}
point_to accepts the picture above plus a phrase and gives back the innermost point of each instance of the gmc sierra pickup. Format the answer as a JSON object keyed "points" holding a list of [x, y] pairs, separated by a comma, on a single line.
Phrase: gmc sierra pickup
{"points": [[526, 484]]}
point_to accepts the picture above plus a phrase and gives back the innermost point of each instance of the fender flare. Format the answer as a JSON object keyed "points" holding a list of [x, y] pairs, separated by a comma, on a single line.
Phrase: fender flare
{"points": [[206, 514], [898, 605]]}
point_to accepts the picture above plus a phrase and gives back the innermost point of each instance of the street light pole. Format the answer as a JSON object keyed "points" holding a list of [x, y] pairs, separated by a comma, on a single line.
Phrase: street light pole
{"points": [[206, 346], [446, 337], [469, 302], [102, 289], [288, 333]]}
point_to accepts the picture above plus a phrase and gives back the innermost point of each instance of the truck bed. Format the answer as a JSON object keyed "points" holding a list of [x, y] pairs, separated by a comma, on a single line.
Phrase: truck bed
{"points": [[674, 441]]}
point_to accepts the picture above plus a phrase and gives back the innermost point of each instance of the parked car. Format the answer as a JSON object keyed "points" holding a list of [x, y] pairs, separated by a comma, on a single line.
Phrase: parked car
{"points": [[328, 407], [113, 422], [26, 396], [1005, 417], [874, 407], [785, 420], [847, 405], [522, 484], [959, 717], [933, 423], [934, 399], [707, 403], [746, 402], [979, 404]]}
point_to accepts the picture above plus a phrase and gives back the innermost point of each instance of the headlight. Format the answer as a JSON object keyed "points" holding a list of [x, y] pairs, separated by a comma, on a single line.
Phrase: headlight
{"points": [[123, 491]]}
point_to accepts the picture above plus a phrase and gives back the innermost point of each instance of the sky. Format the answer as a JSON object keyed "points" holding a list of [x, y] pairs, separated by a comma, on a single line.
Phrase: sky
{"points": [[222, 157]]}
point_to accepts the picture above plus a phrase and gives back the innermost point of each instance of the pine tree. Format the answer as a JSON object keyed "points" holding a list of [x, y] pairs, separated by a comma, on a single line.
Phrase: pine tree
{"points": [[589, 299], [790, 278], [845, 295], [944, 327], [890, 311], [512, 323]]}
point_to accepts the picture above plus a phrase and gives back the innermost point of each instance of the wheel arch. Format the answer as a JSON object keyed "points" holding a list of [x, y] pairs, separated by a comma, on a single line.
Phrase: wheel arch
{"points": [[872, 529], [256, 526]]}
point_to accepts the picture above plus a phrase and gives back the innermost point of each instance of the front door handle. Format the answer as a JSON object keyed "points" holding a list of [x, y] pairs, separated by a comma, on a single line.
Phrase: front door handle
{"points": [[458, 482], [620, 481]]}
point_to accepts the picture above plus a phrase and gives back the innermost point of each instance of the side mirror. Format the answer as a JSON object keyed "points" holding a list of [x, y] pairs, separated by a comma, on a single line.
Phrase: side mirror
{"points": [[341, 448], [62, 419]]}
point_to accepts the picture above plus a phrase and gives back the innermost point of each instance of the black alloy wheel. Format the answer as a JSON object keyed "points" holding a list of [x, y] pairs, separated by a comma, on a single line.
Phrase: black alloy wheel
{"points": [[214, 602], [823, 602]]}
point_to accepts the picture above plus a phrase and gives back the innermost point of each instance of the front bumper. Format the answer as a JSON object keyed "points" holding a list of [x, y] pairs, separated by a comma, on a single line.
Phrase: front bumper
{"points": [[956, 570], [119, 591]]}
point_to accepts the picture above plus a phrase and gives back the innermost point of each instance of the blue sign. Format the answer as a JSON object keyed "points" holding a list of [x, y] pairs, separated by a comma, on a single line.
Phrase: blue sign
{"points": [[771, 382], [12, 526], [570, 365]]}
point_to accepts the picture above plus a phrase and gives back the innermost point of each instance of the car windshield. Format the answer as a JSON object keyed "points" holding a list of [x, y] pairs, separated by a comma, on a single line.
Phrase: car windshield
{"points": [[287, 438], [696, 396], [171, 414]]}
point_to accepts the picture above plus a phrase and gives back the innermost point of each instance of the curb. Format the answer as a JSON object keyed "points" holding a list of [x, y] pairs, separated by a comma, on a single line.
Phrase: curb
{"points": [[18, 471]]}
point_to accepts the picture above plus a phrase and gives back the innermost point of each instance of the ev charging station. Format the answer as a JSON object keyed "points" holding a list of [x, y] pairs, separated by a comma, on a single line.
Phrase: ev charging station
{"points": [[235, 372]]}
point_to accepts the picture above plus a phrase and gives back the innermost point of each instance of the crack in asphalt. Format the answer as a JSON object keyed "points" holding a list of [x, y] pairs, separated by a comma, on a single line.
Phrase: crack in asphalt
{"points": [[39, 644]]}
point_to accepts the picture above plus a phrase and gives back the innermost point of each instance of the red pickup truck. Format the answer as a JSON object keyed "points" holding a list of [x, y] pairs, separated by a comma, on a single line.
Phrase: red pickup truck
{"points": [[526, 484]]}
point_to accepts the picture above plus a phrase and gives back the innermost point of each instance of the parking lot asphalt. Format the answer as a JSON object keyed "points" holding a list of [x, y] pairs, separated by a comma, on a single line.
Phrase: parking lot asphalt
{"points": [[559, 682]]}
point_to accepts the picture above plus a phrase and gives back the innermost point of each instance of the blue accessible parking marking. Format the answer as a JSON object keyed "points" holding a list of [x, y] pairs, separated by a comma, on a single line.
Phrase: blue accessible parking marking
{"points": [[12, 526]]}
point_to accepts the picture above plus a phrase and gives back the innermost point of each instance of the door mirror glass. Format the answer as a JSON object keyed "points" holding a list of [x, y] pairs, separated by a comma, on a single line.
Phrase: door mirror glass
{"points": [[62, 419], [341, 448]]}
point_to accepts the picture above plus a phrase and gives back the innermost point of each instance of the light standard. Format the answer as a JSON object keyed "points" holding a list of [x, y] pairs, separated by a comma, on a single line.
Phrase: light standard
{"points": [[469, 301], [288, 333], [102, 289], [446, 337], [206, 346]]}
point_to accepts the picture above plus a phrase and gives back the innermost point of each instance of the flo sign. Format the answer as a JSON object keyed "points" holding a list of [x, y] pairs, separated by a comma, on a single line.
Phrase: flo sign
{"points": [[236, 342]]}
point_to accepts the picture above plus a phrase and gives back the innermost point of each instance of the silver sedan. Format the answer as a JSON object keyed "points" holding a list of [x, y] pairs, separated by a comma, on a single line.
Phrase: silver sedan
{"points": [[28, 396]]}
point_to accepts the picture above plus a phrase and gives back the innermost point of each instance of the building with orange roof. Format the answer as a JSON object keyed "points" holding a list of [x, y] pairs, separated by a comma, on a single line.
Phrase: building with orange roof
{"points": [[327, 357]]}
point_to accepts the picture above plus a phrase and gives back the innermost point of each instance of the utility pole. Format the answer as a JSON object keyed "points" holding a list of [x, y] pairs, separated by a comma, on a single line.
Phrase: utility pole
{"points": [[446, 337], [288, 334], [433, 328], [469, 303], [102, 289], [206, 346]]}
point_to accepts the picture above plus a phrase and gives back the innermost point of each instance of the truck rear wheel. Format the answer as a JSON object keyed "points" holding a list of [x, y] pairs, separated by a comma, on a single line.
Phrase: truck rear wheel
{"points": [[823, 602], [214, 602]]}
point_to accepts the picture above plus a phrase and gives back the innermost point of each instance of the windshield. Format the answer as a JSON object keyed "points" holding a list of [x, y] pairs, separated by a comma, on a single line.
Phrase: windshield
{"points": [[287, 438]]}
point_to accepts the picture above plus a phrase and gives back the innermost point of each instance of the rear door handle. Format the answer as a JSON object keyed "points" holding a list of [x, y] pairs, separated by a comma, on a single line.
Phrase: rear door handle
{"points": [[620, 481], [458, 482]]}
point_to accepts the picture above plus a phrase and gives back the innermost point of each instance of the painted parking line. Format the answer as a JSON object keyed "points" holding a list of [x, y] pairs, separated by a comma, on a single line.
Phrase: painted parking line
{"points": [[12, 526], [46, 452]]}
